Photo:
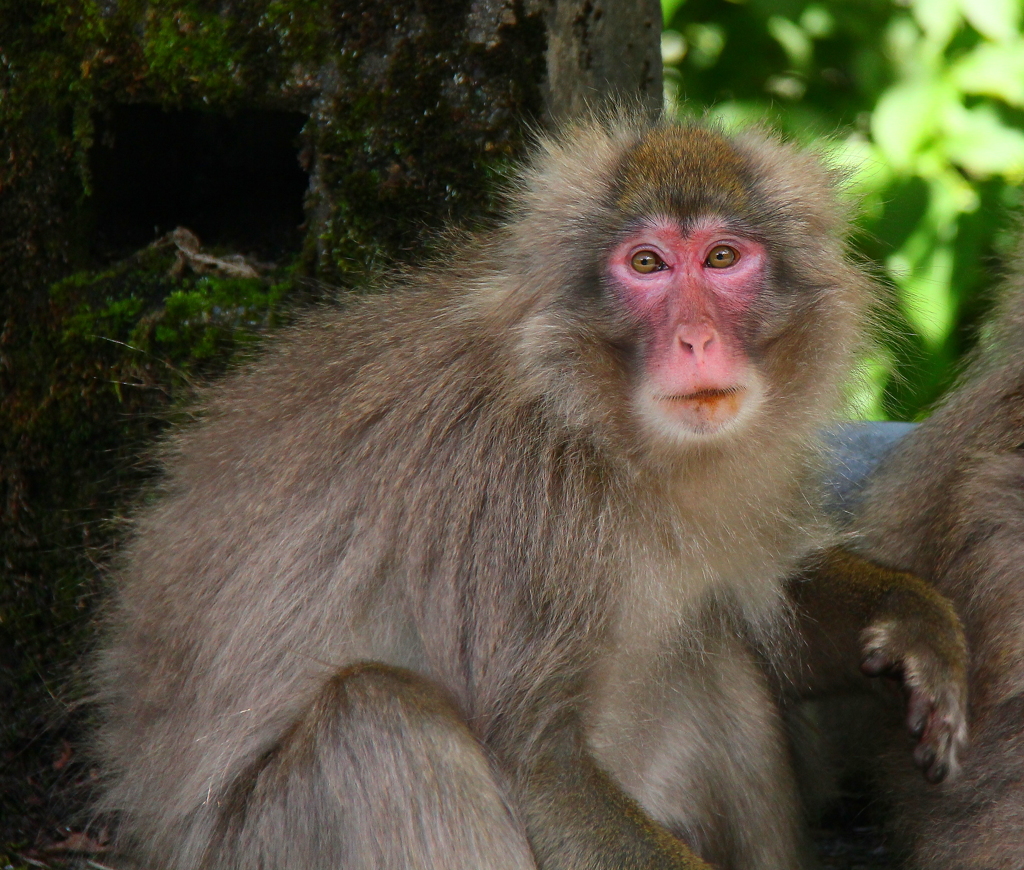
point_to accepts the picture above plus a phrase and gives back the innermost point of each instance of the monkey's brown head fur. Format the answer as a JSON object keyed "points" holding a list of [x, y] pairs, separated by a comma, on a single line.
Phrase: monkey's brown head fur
{"points": [[682, 170]]}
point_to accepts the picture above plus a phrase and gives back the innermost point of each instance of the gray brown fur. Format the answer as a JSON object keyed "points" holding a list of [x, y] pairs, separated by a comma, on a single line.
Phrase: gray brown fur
{"points": [[949, 505], [424, 543]]}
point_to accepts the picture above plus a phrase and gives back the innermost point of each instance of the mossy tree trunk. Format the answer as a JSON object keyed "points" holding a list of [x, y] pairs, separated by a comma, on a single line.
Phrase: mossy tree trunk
{"points": [[175, 178]]}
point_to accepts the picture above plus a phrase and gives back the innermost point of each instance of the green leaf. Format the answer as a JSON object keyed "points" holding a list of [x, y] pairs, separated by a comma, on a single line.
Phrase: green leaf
{"points": [[868, 388], [863, 168], [925, 294], [735, 115], [906, 118], [939, 19], [818, 21], [993, 70], [996, 19], [673, 47], [668, 9], [793, 39], [705, 42], [979, 141]]}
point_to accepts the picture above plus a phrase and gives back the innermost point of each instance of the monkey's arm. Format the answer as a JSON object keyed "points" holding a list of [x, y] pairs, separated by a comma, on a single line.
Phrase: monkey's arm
{"points": [[860, 618], [576, 816]]}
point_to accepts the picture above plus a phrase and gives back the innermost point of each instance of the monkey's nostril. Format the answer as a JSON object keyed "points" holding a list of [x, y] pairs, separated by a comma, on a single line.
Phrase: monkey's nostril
{"points": [[696, 341]]}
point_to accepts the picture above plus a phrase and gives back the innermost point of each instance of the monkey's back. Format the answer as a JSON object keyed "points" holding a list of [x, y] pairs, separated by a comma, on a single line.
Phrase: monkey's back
{"points": [[321, 514]]}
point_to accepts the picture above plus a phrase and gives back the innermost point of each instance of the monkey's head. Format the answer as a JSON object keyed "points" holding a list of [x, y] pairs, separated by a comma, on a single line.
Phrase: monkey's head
{"points": [[714, 270]]}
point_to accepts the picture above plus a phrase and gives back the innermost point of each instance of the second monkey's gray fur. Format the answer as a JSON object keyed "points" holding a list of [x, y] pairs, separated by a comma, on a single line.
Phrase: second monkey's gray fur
{"points": [[948, 504]]}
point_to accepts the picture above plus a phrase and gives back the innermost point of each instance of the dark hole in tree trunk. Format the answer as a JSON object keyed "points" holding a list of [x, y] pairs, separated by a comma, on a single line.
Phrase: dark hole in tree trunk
{"points": [[234, 180]]}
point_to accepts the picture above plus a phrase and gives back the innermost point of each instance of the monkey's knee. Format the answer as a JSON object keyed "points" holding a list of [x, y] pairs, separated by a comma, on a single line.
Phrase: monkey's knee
{"points": [[379, 772]]}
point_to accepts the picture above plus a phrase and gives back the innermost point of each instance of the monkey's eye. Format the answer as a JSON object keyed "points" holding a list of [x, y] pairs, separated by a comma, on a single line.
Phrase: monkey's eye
{"points": [[645, 262], [722, 256]]}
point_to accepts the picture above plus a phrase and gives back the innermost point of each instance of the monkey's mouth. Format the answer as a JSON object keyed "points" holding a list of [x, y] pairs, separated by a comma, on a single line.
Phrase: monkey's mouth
{"points": [[709, 395], [705, 410]]}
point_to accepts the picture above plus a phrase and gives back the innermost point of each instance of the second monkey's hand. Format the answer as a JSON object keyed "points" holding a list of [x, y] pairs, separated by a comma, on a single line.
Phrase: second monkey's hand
{"points": [[899, 627], [917, 639]]}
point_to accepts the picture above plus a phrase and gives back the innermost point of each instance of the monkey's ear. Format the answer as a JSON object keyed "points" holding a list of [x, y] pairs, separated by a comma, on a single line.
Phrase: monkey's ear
{"points": [[562, 192], [802, 185]]}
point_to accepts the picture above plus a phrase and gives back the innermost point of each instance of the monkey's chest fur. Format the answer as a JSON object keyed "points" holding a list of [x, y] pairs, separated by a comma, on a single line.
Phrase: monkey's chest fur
{"points": [[683, 714], [510, 561]]}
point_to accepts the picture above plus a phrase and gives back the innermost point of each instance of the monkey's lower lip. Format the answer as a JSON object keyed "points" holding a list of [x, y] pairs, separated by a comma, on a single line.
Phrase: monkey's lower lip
{"points": [[705, 410]]}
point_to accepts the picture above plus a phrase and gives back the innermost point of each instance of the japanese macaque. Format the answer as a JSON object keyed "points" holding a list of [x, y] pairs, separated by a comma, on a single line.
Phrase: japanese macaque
{"points": [[489, 571], [948, 504]]}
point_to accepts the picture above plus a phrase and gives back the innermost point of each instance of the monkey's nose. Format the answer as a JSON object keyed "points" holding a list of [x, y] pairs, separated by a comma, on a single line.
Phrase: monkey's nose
{"points": [[697, 340]]}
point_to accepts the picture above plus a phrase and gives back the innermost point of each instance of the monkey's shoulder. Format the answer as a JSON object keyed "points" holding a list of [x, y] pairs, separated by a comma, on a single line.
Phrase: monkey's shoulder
{"points": [[412, 387]]}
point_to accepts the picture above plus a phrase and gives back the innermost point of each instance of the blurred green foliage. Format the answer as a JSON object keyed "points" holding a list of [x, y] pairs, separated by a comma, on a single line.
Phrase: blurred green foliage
{"points": [[922, 102]]}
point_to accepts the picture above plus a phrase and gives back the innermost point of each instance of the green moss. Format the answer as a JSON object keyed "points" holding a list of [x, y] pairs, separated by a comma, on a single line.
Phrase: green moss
{"points": [[109, 356], [189, 47], [193, 324]]}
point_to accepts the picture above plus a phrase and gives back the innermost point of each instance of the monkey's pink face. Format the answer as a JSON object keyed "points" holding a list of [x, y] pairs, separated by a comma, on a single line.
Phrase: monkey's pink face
{"points": [[693, 292]]}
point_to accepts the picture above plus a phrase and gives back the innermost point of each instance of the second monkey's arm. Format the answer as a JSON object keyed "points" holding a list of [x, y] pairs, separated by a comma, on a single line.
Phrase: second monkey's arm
{"points": [[576, 816], [858, 618]]}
